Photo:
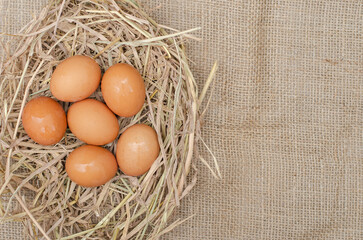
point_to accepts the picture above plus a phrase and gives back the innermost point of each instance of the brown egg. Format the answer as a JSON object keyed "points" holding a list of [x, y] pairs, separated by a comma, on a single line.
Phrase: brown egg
{"points": [[123, 89], [44, 120], [75, 78], [92, 122], [91, 166], [137, 149]]}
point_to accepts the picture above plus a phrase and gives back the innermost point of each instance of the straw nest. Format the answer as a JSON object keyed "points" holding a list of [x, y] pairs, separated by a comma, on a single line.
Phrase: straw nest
{"points": [[35, 188]]}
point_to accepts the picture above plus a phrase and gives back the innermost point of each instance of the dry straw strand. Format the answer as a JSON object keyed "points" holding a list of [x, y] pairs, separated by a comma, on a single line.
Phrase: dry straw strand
{"points": [[35, 188]]}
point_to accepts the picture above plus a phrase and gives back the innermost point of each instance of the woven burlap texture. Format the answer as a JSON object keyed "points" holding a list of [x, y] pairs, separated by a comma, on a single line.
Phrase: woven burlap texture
{"points": [[285, 119]]}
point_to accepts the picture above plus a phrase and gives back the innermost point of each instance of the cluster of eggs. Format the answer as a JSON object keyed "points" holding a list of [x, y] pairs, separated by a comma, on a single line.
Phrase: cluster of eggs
{"points": [[94, 122]]}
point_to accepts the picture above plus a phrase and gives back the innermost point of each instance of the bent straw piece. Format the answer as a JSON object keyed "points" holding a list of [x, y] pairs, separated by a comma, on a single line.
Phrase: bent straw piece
{"points": [[214, 159], [190, 151], [207, 83]]}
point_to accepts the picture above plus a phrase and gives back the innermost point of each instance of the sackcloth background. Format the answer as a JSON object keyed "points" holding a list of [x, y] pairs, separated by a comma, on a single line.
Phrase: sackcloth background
{"points": [[285, 119]]}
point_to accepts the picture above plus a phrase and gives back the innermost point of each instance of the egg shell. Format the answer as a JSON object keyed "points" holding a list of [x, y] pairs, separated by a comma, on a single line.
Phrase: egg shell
{"points": [[91, 166], [44, 120], [137, 149], [75, 79], [92, 122], [123, 89]]}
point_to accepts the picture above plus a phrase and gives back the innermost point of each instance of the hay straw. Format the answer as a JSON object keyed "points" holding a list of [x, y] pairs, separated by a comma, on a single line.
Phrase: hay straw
{"points": [[35, 188]]}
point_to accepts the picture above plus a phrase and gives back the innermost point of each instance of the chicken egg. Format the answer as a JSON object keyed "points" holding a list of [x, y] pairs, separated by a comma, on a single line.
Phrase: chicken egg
{"points": [[123, 89], [137, 149], [91, 166], [44, 120], [75, 78], [92, 122]]}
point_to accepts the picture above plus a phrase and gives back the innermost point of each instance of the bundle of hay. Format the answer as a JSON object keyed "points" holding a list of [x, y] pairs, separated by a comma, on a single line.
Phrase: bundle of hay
{"points": [[35, 188]]}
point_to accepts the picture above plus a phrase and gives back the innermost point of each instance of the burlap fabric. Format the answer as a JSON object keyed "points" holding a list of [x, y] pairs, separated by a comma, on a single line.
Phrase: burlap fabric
{"points": [[285, 120]]}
